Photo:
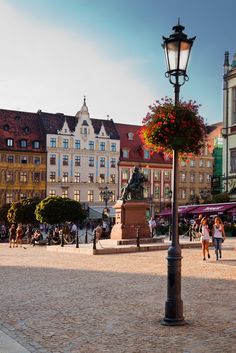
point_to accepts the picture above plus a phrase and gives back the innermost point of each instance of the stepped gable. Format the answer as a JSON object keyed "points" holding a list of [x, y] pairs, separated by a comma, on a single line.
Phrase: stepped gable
{"points": [[130, 140], [109, 126], [19, 125]]}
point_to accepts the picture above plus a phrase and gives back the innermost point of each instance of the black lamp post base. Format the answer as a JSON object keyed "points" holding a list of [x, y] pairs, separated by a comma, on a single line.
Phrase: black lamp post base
{"points": [[174, 314], [173, 322]]}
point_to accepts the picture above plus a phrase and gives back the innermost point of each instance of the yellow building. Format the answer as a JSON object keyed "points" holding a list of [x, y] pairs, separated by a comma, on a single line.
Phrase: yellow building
{"points": [[22, 156]]}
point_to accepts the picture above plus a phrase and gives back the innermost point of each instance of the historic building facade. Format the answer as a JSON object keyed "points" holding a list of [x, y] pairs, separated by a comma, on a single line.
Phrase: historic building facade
{"points": [[157, 170], [82, 156], [229, 123], [79, 157], [195, 178], [22, 156], [215, 143]]}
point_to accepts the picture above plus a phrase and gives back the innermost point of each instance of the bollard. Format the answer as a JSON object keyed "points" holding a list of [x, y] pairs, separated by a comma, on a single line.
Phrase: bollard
{"points": [[86, 235], [94, 240], [190, 234], [137, 237], [170, 230], [62, 240], [77, 240]]}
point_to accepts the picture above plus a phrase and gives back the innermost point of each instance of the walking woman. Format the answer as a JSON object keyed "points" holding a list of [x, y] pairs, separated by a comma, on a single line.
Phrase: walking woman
{"points": [[205, 238], [19, 235], [12, 235], [219, 236]]}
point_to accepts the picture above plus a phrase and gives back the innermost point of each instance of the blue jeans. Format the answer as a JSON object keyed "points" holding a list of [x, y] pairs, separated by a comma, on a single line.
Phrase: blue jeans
{"points": [[217, 243]]}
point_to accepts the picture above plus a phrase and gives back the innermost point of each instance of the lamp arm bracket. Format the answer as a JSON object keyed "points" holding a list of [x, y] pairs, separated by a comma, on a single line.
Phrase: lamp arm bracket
{"points": [[174, 78]]}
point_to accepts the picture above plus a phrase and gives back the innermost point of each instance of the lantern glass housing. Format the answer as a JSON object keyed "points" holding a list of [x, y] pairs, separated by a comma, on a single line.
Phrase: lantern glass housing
{"points": [[177, 51]]}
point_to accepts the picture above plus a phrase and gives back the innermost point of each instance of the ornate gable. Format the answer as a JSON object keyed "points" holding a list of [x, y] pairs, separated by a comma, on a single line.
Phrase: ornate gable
{"points": [[65, 130]]}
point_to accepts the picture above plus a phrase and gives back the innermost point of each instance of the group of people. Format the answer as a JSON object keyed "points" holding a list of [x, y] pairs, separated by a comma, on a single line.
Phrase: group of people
{"points": [[15, 235], [205, 230]]}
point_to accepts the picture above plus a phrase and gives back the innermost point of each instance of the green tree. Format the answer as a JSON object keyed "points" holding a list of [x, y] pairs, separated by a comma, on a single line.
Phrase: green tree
{"points": [[194, 199], [3, 212], [23, 211], [223, 197], [57, 209]]}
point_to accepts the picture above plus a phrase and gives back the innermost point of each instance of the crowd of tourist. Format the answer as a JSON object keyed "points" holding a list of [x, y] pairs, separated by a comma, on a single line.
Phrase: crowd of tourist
{"points": [[206, 229]]}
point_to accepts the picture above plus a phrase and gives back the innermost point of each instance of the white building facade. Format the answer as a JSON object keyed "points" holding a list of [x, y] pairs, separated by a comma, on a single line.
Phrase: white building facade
{"points": [[82, 158], [229, 124]]}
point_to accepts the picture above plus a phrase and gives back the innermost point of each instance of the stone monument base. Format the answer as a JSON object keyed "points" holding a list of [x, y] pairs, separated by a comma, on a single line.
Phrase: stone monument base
{"points": [[130, 218]]}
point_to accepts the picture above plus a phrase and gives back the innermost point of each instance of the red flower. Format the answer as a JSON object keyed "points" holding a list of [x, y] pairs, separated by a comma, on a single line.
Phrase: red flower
{"points": [[171, 126]]}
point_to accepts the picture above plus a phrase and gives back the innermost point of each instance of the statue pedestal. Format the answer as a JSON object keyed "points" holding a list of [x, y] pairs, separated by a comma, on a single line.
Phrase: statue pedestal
{"points": [[129, 216]]}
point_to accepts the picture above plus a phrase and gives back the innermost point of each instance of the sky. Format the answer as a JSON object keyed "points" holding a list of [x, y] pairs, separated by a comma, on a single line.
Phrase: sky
{"points": [[53, 53]]}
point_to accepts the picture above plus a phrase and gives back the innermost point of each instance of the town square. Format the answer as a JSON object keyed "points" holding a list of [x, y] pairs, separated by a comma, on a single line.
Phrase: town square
{"points": [[65, 302], [117, 176]]}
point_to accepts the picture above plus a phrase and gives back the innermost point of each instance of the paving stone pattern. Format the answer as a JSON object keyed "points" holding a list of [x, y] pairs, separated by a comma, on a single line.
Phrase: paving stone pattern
{"points": [[71, 303]]}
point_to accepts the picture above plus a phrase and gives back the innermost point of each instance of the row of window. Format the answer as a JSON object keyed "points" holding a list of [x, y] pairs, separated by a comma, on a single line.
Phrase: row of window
{"points": [[146, 153], [125, 174], [11, 197], [193, 163], [157, 192], [77, 161], [183, 193], [201, 178], [233, 159], [90, 195], [76, 179], [22, 159], [23, 177], [234, 106], [22, 143], [77, 144], [77, 194], [65, 144]]}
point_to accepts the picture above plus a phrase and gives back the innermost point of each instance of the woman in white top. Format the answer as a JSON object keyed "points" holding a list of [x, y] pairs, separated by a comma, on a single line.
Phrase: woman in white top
{"points": [[219, 236], [205, 238]]}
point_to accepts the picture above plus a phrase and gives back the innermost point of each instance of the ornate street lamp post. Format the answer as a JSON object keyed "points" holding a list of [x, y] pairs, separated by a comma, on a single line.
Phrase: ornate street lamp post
{"points": [[106, 195], [170, 197], [177, 51]]}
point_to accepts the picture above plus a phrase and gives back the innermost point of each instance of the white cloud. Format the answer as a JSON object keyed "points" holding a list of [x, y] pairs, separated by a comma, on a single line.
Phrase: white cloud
{"points": [[50, 68]]}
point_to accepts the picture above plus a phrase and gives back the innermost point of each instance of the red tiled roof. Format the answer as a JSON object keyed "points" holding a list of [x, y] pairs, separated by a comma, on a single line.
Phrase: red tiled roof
{"points": [[135, 146], [109, 126], [34, 127], [54, 122], [20, 126]]}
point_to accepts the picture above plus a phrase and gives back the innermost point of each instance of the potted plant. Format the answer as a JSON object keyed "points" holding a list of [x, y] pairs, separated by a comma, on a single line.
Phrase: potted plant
{"points": [[172, 126]]}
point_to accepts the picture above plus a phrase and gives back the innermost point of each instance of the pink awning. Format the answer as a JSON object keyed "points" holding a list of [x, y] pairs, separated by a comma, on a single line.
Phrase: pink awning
{"points": [[182, 210], [186, 209], [213, 208], [232, 210]]}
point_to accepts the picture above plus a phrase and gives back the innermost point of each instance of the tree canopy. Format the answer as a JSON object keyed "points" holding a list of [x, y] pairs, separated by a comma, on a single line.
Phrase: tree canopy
{"points": [[57, 209], [223, 197], [4, 211], [23, 211]]}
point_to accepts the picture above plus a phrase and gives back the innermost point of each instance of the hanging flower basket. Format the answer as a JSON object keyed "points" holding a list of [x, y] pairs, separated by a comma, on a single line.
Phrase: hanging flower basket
{"points": [[169, 126]]}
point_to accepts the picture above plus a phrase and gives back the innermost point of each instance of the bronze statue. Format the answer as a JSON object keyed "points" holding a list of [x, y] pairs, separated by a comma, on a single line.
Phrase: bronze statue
{"points": [[133, 190]]}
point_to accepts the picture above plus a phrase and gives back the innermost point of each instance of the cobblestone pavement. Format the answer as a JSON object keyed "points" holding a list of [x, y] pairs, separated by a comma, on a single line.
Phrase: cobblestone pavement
{"points": [[59, 302]]}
